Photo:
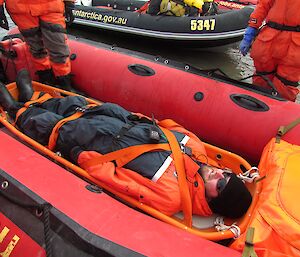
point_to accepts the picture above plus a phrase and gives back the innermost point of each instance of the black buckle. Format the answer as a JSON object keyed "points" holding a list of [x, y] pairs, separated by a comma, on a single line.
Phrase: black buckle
{"points": [[154, 134], [186, 150]]}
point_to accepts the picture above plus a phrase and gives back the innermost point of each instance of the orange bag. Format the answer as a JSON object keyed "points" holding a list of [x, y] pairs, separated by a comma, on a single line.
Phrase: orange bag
{"points": [[276, 218]]}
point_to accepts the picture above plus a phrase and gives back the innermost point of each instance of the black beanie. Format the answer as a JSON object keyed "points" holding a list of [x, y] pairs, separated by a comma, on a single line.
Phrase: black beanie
{"points": [[234, 201]]}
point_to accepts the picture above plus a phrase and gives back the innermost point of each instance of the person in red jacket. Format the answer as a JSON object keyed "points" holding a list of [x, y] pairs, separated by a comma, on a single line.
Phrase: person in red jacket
{"points": [[276, 46], [42, 24], [151, 177]]}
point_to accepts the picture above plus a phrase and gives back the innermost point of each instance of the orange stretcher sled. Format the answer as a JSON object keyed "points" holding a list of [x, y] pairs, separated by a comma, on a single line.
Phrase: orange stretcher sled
{"points": [[216, 155]]}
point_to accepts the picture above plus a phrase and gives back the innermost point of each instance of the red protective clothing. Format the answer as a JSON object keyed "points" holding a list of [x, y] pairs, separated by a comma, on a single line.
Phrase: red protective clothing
{"points": [[34, 8], [277, 51], [42, 24], [164, 194]]}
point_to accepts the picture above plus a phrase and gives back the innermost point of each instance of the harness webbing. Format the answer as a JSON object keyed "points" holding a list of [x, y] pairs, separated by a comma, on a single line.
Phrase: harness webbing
{"points": [[54, 134], [182, 182], [34, 99], [282, 27], [288, 82], [125, 155]]}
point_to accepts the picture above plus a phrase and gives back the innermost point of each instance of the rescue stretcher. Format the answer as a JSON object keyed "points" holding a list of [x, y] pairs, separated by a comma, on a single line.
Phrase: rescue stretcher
{"points": [[233, 228]]}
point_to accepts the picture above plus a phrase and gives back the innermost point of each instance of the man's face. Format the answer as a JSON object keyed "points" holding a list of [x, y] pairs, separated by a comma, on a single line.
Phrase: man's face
{"points": [[215, 180]]}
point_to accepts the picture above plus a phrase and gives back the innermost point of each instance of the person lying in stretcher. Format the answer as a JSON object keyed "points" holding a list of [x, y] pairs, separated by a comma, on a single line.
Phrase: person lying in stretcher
{"points": [[150, 176]]}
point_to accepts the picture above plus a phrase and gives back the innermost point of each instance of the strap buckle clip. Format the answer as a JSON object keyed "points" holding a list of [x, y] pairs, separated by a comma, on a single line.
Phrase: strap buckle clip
{"points": [[186, 150], [81, 109]]}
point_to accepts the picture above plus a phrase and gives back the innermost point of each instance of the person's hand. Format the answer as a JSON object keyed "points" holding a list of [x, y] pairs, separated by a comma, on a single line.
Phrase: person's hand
{"points": [[3, 20], [69, 7], [249, 36]]}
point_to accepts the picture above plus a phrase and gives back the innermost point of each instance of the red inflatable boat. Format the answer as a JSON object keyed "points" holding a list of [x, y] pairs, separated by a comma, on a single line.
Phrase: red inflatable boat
{"points": [[235, 116], [60, 214], [47, 211]]}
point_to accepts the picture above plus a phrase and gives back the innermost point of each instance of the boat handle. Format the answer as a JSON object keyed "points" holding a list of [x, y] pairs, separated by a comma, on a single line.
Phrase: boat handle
{"points": [[249, 102], [141, 70]]}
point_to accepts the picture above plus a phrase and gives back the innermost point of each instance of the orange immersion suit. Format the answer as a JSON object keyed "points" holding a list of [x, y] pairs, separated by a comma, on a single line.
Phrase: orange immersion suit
{"points": [[276, 50], [42, 24], [163, 194]]}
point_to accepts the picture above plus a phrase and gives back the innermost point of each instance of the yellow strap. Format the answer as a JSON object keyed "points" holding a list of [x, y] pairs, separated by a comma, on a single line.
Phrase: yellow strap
{"points": [[284, 129], [249, 246]]}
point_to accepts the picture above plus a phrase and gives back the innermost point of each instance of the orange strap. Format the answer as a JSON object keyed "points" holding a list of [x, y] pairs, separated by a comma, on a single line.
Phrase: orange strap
{"points": [[37, 99], [168, 123], [54, 134], [182, 182], [34, 99], [125, 155]]}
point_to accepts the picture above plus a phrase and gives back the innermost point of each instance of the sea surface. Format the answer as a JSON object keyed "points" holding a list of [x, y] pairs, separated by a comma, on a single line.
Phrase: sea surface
{"points": [[227, 58]]}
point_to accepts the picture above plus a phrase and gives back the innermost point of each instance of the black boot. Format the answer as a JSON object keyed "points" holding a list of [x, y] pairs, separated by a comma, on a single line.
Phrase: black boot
{"points": [[24, 84], [64, 82], [46, 77], [8, 103]]}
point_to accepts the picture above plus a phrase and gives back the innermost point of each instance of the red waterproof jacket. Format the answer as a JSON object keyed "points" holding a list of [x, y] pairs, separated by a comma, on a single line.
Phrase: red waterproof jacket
{"points": [[281, 11], [284, 12], [35, 7]]}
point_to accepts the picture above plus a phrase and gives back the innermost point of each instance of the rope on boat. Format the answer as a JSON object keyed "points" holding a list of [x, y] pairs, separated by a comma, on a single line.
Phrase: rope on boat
{"points": [[220, 226], [211, 72], [249, 177], [47, 230], [266, 79], [42, 209]]}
